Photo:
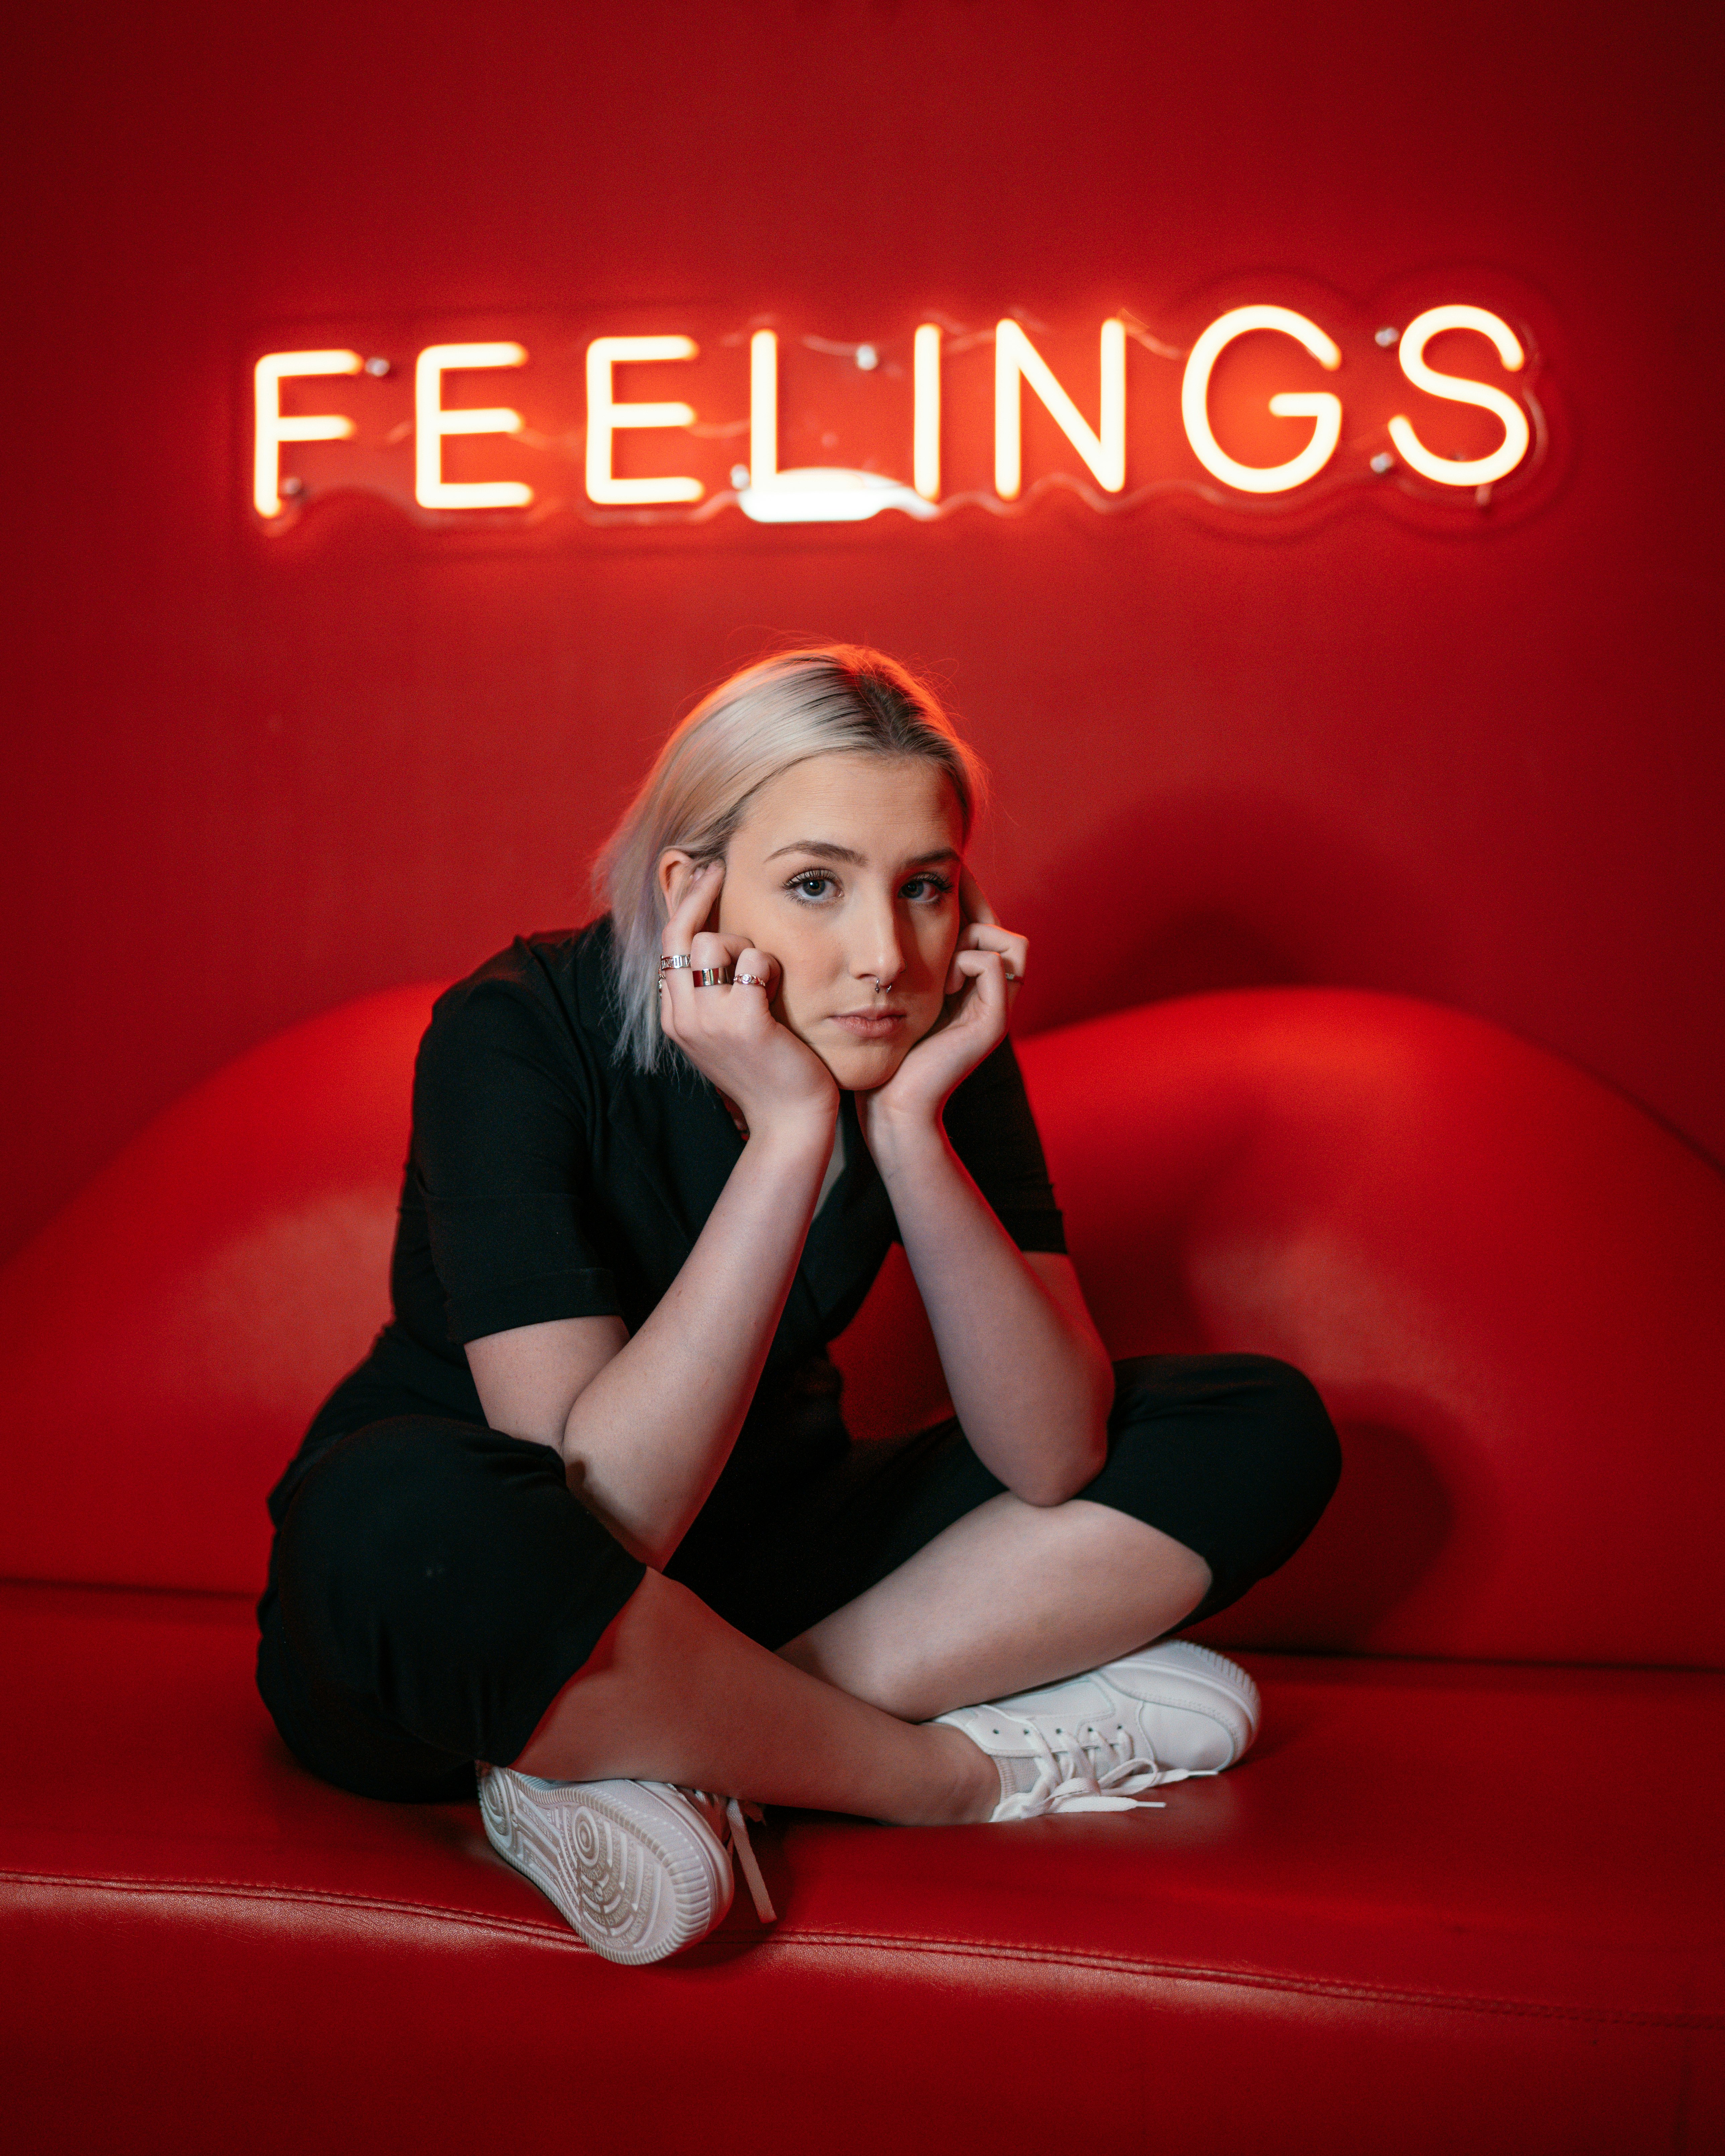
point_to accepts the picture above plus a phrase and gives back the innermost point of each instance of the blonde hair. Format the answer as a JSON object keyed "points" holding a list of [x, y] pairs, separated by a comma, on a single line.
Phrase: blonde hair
{"points": [[835, 699]]}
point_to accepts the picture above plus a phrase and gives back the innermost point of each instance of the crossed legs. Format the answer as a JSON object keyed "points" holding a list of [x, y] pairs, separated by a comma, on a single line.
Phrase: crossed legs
{"points": [[1010, 1595], [436, 1581]]}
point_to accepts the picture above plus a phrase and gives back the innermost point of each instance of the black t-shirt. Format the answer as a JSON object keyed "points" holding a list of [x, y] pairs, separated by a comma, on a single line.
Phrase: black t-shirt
{"points": [[547, 1178]]}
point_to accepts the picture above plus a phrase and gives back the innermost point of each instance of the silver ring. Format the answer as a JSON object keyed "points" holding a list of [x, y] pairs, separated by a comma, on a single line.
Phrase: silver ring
{"points": [[710, 977], [750, 980], [678, 961]]}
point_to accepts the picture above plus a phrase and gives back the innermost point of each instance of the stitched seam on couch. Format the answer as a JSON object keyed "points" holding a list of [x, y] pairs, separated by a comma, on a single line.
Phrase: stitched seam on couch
{"points": [[784, 1937]]}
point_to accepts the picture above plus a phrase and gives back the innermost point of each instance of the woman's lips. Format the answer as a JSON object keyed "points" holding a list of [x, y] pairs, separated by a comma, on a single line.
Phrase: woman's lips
{"points": [[870, 1025]]}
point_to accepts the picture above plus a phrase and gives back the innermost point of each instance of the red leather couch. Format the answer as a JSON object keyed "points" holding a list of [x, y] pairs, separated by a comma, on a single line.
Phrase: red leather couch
{"points": [[1466, 1892]]}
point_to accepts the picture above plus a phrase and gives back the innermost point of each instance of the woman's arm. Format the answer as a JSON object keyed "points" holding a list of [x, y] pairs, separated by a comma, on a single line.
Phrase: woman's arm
{"points": [[1029, 1377], [644, 1423]]}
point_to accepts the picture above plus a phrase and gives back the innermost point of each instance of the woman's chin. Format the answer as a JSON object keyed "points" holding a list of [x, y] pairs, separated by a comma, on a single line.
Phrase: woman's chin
{"points": [[864, 1056], [862, 1066]]}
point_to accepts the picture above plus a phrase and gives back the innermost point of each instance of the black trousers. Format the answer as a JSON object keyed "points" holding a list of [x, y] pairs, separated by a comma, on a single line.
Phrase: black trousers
{"points": [[434, 1585]]}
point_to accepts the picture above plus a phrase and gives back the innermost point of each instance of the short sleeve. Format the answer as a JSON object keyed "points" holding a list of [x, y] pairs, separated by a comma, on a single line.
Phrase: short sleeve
{"points": [[503, 1112], [993, 1131]]}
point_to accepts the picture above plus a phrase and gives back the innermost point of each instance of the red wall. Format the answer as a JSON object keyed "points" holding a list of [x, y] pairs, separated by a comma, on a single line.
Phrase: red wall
{"points": [[251, 777]]}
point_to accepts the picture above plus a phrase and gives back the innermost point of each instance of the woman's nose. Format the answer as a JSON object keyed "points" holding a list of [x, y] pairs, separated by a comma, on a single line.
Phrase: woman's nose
{"points": [[879, 954]]}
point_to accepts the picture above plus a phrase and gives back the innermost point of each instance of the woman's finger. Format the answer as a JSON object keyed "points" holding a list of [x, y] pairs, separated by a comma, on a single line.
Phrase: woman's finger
{"points": [[688, 997], [755, 970], [972, 902], [708, 947], [1012, 950], [691, 901], [985, 971], [683, 974]]}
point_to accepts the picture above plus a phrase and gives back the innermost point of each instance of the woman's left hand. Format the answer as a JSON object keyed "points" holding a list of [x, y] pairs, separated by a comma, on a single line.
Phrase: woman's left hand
{"points": [[987, 970]]}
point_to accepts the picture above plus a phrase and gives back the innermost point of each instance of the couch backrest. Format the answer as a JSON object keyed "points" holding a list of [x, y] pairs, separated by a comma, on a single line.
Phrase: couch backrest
{"points": [[164, 1341], [1508, 1282]]}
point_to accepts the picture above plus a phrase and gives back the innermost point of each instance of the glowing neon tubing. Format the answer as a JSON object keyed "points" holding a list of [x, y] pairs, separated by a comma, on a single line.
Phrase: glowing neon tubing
{"points": [[605, 415], [432, 422], [925, 411], [272, 430], [1457, 389], [763, 409], [1017, 360], [1317, 405]]}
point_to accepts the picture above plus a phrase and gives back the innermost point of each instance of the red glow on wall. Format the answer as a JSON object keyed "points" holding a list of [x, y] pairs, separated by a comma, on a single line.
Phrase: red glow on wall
{"points": [[1363, 731]]}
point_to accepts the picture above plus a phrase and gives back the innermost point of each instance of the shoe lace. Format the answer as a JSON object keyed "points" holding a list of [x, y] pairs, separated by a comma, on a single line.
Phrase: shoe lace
{"points": [[738, 1816], [1074, 1778]]}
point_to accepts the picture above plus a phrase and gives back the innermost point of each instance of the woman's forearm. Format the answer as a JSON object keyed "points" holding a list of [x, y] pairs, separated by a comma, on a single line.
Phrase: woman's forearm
{"points": [[1030, 1380], [646, 1439]]}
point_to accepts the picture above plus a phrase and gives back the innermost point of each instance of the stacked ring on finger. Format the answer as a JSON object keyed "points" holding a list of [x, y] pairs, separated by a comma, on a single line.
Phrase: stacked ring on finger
{"points": [[710, 977], [750, 980], [675, 962]]}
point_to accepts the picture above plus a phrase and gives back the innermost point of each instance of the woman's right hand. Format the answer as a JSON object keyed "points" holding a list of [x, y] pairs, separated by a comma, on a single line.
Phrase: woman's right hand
{"points": [[729, 1033]]}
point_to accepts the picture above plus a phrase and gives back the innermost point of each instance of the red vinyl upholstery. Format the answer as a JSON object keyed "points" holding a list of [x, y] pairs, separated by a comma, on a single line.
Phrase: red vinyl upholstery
{"points": [[1466, 1890], [175, 1326], [1508, 1282]]}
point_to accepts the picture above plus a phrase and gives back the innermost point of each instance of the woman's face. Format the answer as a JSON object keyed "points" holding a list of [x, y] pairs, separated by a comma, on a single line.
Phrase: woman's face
{"points": [[845, 869]]}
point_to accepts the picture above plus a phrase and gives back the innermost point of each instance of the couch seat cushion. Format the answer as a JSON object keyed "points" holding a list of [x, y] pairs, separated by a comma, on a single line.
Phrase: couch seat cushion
{"points": [[1457, 1896]]}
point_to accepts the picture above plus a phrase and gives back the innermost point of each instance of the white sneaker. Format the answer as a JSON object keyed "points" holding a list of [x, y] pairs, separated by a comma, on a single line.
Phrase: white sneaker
{"points": [[1100, 1742], [638, 1868]]}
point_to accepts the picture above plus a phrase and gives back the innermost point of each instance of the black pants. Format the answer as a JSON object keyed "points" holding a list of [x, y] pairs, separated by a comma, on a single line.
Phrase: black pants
{"points": [[434, 1585]]}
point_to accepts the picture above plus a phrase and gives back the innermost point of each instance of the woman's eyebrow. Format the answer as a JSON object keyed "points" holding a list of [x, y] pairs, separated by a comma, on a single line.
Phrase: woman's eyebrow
{"points": [[824, 849]]}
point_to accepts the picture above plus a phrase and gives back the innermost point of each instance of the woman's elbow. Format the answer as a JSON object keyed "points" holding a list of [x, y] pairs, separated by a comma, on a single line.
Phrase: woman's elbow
{"points": [[1057, 1480]]}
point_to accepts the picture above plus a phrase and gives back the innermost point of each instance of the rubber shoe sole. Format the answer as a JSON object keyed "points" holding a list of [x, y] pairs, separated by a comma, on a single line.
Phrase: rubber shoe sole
{"points": [[1181, 1674], [632, 1866]]}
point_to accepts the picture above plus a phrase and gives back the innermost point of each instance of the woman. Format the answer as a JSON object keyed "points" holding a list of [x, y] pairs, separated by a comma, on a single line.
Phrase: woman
{"points": [[587, 1517]]}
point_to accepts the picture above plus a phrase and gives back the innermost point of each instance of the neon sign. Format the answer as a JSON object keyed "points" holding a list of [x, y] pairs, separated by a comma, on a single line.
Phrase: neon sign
{"points": [[1263, 410]]}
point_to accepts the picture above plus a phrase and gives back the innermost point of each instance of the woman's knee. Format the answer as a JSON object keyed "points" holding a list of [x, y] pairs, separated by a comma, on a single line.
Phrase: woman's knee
{"points": [[1252, 1427], [1233, 1455], [1296, 1429]]}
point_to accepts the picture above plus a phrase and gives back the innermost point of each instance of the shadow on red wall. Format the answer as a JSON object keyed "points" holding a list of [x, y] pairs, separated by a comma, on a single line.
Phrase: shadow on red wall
{"points": [[1228, 890]]}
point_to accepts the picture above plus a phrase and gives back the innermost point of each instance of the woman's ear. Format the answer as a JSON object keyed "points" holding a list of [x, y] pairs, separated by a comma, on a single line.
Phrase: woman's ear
{"points": [[675, 866]]}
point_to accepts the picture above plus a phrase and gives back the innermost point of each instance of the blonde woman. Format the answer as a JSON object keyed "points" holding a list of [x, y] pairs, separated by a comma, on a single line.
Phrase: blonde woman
{"points": [[587, 1518]]}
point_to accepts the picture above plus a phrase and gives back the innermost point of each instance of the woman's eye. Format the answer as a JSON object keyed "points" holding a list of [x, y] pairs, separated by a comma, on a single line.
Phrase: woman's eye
{"points": [[813, 883], [928, 890]]}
